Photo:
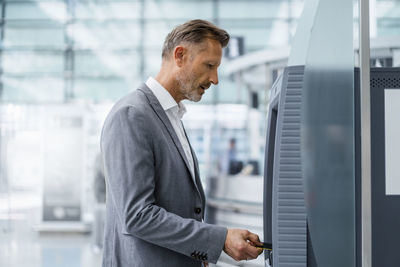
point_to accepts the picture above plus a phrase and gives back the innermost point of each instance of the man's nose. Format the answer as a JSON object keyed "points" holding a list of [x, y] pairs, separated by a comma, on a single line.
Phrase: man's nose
{"points": [[214, 77]]}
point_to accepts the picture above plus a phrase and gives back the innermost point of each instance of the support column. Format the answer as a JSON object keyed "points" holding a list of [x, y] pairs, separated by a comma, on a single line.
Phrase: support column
{"points": [[142, 65], [365, 111], [2, 25], [69, 55]]}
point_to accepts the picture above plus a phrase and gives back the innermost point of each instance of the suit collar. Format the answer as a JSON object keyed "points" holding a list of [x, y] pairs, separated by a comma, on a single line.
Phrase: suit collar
{"points": [[163, 96]]}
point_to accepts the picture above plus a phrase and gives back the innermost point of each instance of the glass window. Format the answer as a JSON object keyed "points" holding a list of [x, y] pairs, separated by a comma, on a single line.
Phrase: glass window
{"points": [[26, 61], [29, 36], [38, 10], [387, 9], [178, 9], [387, 17], [102, 89], [156, 31], [92, 35], [101, 11], [107, 62], [388, 27], [254, 38], [152, 62], [24, 89], [252, 9]]}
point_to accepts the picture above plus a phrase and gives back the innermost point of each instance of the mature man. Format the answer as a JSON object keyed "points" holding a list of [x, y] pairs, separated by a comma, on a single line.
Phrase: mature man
{"points": [[155, 200]]}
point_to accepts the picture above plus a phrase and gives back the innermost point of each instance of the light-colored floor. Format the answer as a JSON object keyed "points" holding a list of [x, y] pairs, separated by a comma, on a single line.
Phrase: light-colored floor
{"points": [[22, 246]]}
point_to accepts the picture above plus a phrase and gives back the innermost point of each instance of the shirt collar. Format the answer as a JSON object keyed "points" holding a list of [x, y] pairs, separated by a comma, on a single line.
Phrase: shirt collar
{"points": [[164, 97], [181, 110]]}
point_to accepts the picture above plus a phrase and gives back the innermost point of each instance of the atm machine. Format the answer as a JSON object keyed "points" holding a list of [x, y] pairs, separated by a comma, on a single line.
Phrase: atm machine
{"points": [[287, 201], [312, 185]]}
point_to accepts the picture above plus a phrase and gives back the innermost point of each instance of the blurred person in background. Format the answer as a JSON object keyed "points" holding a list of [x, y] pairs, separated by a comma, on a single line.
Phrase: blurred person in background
{"points": [[155, 200], [230, 163]]}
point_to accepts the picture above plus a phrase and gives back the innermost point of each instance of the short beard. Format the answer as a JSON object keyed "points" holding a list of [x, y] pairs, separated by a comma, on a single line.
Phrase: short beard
{"points": [[185, 82]]}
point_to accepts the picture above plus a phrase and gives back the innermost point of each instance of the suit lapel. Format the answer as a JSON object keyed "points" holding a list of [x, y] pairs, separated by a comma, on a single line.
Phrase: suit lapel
{"points": [[196, 167], [155, 104], [197, 174]]}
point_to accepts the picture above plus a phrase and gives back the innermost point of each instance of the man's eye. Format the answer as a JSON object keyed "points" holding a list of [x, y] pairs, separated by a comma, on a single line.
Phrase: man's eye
{"points": [[210, 66]]}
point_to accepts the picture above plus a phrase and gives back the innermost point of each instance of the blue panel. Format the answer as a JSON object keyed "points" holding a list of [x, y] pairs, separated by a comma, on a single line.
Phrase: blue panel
{"points": [[327, 136]]}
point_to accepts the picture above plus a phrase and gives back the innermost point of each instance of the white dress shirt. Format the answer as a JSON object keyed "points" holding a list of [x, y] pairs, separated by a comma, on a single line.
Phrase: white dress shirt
{"points": [[175, 112]]}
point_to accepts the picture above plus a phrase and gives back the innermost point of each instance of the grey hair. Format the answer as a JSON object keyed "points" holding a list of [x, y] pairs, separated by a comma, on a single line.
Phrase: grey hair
{"points": [[194, 32]]}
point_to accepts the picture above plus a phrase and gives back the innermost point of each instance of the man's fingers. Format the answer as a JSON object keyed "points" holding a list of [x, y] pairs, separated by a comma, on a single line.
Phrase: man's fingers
{"points": [[252, 252], [249, 251], [254, 239], [240, 244]]}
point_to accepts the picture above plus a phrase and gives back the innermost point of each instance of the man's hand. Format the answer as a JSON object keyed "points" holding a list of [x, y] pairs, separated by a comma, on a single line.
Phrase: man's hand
{"points": [[239, 244]]}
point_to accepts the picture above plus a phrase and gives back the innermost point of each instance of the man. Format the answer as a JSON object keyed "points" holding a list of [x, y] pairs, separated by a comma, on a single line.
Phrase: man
{"points": [[155, 200]]}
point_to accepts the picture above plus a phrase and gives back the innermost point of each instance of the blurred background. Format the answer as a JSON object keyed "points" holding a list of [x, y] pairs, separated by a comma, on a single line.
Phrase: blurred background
{"points": [[64, 63]]}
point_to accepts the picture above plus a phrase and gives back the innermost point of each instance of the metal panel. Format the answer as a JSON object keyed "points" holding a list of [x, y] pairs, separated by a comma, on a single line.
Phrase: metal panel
{"points": [[385, 208], [288, 213]]}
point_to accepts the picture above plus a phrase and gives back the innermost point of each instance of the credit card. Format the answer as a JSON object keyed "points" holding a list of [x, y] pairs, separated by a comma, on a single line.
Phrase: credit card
{"points": [[267, 246]]}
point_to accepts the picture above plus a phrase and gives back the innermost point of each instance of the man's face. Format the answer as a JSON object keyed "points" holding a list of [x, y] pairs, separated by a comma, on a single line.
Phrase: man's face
{"points": [[200, 70]]}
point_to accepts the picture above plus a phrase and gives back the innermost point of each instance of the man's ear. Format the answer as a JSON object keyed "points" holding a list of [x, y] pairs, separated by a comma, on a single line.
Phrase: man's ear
{"points": [[180, 54]]}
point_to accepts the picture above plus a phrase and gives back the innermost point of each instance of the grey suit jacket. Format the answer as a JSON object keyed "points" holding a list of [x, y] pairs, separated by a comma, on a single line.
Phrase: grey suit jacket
{"points": [[154, 208]]}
